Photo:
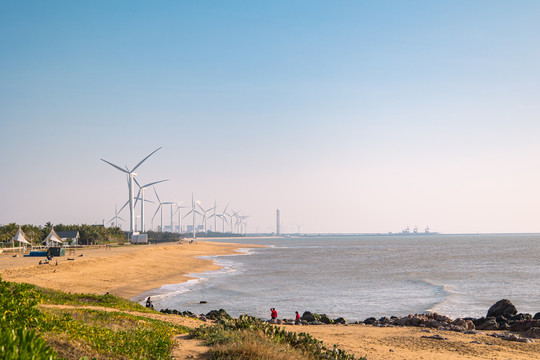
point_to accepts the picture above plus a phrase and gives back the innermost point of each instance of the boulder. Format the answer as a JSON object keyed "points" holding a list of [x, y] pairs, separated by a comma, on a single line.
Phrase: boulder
{"points": [[340, 320], [489, 324], [521, 316], [466, 324], [370, 321], [308, 316], [524, 325], [325, 319], [218, 314], [502, 307], [537, 316]]}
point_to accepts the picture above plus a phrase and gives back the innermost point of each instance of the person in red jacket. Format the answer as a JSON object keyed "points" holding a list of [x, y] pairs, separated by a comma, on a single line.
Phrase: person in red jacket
{"points": [[273, 313], [297, 320]]}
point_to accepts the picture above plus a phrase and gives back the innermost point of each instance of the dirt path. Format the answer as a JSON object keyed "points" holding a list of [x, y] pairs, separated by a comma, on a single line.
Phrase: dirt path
{"points": [[185, 347]]}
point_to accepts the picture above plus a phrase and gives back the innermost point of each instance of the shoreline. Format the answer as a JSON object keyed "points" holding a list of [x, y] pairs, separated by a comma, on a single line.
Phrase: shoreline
{"points": [[125, 271]]}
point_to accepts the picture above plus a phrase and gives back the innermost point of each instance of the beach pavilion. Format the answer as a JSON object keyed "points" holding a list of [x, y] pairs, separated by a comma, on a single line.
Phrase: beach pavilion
{"points": [[22, 239], [52, 240]]}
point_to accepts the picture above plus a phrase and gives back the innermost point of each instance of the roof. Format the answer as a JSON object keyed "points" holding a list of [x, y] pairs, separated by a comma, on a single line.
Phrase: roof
{"points": [[68, 234], [21, 237]]}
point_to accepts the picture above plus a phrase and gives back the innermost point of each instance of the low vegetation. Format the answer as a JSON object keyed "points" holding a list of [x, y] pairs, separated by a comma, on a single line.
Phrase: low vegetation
{"points": [[78, 329], [249, 338]]}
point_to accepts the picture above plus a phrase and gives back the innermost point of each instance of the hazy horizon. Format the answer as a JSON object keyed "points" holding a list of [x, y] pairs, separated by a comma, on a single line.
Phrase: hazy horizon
{"points": [[348, 117]]}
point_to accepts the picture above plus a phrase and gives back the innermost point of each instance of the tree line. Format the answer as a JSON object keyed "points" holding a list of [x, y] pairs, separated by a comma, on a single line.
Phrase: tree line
{"points": [[88, 234]]}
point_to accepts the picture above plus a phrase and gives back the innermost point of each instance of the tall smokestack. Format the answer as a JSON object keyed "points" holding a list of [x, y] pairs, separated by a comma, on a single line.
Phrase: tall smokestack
{"points": [[278, 232]]}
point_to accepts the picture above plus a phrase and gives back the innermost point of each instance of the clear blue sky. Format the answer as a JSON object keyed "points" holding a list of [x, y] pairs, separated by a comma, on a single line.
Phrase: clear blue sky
{"points": [[348, 116]]}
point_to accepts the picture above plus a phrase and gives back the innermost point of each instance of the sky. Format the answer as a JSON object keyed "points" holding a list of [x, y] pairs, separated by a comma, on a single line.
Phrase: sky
{"points": [[347, 116]]}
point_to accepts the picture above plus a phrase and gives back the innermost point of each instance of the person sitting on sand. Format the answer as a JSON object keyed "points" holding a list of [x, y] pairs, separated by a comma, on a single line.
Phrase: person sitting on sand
{"points": [[273, 313], [149, 303], [297, 320]]}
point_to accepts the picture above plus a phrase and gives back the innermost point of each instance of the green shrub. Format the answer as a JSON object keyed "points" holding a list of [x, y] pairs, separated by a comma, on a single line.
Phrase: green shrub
{"points": [[233, 330], [18, 305], [16, 344]]}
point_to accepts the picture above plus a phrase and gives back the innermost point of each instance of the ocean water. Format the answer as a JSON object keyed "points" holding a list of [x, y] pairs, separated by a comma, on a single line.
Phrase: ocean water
{"points": [[364, 276]]}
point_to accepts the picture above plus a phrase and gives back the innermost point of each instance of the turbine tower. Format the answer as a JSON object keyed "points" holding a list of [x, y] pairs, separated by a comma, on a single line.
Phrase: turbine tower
{"points": [[193, 211], [131, 174], [117, 214], [141, 194], [160, 207]]}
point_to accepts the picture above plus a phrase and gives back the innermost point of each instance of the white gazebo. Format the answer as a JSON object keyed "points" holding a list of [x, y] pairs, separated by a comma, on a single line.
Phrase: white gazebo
{"points": [[52, 240], [21, 238]]}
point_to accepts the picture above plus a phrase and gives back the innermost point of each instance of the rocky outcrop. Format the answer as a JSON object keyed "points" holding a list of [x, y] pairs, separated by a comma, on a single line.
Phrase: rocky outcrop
{"points": [[502, 308], [307, 316], [217, 314]]}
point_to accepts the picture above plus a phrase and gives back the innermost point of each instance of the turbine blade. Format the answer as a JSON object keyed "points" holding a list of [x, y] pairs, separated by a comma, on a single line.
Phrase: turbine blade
{"points": [[137, 197], [115, 166], [143, 160], [123, 206], [155, 182], [156, 194], [157, 210], [139, 185]]}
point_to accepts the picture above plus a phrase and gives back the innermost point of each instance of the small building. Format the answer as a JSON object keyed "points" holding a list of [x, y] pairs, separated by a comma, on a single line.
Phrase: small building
{"points": [[69, 238]]}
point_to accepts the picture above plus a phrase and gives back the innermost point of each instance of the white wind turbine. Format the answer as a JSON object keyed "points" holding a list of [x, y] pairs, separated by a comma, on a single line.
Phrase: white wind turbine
{"points": [[179, 208], [193, 211], [223, 218], [160, 207], [117, 213], [204, 215], [234, 214], [141, 195], [131, 174]]}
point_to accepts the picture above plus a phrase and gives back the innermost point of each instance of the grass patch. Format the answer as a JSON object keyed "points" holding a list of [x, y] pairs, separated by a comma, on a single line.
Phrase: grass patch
{"points": [[55, 297], [109, 335], [249, 338]]}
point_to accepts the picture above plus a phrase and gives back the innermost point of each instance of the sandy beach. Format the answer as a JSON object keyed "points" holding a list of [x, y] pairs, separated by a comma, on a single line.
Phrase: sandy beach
{"points": [[125, 271], [128, 271]]}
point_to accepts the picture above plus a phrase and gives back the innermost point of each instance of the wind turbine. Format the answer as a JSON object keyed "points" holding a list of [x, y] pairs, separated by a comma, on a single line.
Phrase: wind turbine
{"points": [[141, 194], [223, 218], [116, 213], [179, 211], [193, 211], [234, 214], [131, 173], [160, 207], [204, 215]]}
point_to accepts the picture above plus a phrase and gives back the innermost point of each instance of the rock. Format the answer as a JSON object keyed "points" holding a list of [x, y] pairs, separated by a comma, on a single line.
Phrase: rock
{"points": [[524, 325], [308, 316], [536, 316], [436, 337], [218, 314], [272, 321], [370, 321], [203, 302], [520, 317], [466, 324], [325, 319], [502, 307], [203, 318], [340, 320], [489, 324]]}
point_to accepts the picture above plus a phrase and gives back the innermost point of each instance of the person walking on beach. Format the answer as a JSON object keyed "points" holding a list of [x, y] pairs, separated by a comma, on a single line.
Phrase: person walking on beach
{"points": [[273, 314]]}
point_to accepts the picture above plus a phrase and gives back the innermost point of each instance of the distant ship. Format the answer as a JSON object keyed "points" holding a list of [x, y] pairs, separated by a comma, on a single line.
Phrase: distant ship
{"points": [[407, 231]]}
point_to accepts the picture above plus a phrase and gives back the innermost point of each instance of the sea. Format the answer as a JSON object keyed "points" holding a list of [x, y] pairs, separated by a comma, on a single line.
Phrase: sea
{"points": [[357, 277]]}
